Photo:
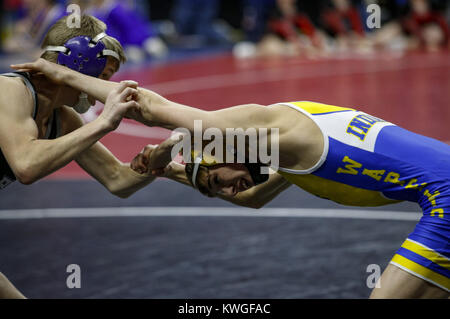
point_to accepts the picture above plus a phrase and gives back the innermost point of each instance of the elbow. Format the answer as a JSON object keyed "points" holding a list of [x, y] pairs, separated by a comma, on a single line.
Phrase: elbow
{"points": [[26, 175], [26, 180], [248, 200], [114, 182], [255, 205], [122, 195], [119, 192]]}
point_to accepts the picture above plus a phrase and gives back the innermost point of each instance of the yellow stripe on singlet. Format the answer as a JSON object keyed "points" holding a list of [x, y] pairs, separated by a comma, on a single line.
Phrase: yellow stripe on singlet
{"points": [[319, 108], [427, 253], [338, 192], [421, 271]]}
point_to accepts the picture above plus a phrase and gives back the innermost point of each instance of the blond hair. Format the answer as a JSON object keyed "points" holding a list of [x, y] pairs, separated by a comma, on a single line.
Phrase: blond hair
{"points": [[90, 26]]}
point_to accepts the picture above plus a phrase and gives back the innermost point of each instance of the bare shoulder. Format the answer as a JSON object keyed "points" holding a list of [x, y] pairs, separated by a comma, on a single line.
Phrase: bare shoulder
{"points": [[267, 112], [12, 86], [14, 94], [301, 139], [17, 125], [290, 118]]}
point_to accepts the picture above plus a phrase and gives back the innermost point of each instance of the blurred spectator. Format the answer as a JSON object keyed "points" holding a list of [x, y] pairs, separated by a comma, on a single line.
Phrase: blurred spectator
{"points": [[36, 17], [269, 27], [133, 30], [195, 23], [256, 14], [290, 32], [255, 17], [294, 27], [342, 19], [423, 27], [427, 26]]}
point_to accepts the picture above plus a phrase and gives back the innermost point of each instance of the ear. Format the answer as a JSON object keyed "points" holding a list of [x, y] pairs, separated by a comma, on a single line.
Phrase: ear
{"points": [[114, 62]]}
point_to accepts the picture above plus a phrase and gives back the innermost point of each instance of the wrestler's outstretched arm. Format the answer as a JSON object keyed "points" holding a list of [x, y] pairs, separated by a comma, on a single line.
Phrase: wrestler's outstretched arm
{"points": [[155, 110]]}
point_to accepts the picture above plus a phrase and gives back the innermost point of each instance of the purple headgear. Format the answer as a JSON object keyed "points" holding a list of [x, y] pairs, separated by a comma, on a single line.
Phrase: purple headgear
{"points": [[83, 54]]}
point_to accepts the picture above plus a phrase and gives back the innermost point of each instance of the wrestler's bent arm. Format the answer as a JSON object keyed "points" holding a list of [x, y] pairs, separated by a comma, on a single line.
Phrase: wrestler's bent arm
{"points": [[101, 164], [32, 158], [260, 195], [255, 197]]}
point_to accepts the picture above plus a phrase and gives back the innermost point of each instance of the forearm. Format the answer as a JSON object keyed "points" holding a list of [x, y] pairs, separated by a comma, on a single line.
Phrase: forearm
{"points": [[154, 110], [117, 177], [95, 87], [129, 182], [42, 157], [177, 174], [157, 110], [260, 195]]}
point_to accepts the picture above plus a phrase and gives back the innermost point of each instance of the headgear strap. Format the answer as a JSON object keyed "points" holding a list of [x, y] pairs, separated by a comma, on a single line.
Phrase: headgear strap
{"points": [[84, 54], [197, 162]]}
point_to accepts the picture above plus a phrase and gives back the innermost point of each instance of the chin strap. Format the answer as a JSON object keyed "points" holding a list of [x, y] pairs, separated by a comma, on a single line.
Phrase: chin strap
{"points": [[197, 162]]}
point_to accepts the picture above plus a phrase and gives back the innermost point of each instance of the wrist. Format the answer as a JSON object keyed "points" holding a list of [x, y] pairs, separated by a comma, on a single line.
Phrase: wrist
{"points": [[104, 126]]}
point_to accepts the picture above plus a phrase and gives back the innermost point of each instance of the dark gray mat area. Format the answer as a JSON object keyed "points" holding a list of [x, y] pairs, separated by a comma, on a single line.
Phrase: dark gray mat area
{"points": [[197, 257]]}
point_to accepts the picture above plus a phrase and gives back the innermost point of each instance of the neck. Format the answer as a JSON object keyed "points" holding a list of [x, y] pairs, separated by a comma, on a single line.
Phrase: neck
{"points": [[49, 94]]}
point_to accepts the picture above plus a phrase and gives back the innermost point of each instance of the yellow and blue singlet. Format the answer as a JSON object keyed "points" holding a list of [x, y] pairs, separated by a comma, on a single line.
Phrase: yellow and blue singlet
{"points": [[367, 161]]}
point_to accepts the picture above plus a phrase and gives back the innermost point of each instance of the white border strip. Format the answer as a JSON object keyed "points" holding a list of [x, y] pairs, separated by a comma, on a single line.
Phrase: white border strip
{"points": [[283, 73], [417, 275], [206, 212]]}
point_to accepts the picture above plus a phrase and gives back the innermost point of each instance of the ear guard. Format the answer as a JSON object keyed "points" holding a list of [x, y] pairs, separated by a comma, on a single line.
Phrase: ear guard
{"points": [[83, 54], [199, 160]]}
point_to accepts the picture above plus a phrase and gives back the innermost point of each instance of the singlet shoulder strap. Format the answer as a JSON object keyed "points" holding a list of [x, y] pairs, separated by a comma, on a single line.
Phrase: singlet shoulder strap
{"points": [[323, 157], [26, 79], [54, 126]]}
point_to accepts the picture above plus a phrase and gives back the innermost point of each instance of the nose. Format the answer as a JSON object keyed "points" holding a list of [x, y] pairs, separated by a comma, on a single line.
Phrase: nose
{"points": [[229, 191]]}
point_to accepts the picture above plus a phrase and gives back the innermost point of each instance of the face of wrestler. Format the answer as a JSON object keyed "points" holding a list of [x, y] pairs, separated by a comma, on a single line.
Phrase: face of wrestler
{"points": [[109, 70], [227, 179]]}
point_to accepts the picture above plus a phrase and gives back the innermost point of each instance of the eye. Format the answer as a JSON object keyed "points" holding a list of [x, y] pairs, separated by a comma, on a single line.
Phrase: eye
{"points": [[105, 76]]}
